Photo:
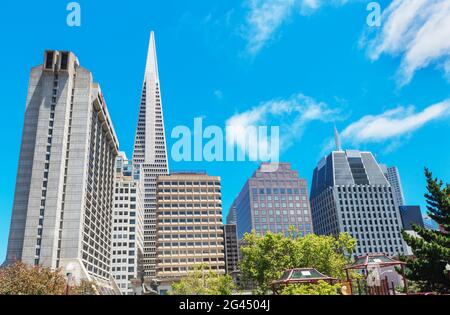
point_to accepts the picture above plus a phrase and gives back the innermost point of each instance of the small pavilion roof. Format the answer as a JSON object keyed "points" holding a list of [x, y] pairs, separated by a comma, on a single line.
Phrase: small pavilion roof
{"points": [[381, 260], [302, 275]]}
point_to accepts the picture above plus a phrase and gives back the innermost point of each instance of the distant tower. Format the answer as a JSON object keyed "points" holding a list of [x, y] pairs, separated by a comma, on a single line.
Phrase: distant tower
{"points": [[128, 225], [393, 176], [337, 139], [150, 152]]}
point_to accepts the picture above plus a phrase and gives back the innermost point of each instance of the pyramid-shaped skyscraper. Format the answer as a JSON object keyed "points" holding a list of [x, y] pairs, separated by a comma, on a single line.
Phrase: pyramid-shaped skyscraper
{"points": [[150, 152]]}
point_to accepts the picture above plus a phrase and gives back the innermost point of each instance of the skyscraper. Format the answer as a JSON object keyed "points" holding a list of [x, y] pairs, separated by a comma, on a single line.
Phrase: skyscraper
{"points": [[128, 225], [351, 194], [62, 213], [231, 217], [411, 215], [393, 176], [190, 228], [273, 199], [231, 250], [150, 153]]}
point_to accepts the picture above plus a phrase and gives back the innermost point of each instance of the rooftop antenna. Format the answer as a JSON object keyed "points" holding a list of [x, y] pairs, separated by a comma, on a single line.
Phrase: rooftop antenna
{"points": [[337, 139]]}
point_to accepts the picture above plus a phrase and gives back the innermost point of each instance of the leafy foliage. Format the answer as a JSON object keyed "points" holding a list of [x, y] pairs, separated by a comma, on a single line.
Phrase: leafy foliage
{"points": [[21, 279], [203, 281], [84, 288], [321, 288], [432, 248], [265, 258]]}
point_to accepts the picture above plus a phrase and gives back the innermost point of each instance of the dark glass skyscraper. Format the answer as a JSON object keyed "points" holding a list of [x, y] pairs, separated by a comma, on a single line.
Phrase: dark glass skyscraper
{"points": [[411, 215]]}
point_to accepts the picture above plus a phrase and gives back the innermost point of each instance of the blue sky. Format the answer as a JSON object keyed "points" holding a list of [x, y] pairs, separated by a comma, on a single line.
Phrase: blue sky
{"points": [[386, 88]]}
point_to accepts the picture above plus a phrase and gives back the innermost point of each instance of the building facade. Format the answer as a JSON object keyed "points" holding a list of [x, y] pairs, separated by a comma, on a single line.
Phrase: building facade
{"points": [[273, 199], [231, 217], [150, 153], [430, 224], [62, 213], [411, 215], [231, 248], [393, 176], [189, 225], [351, 194], [128, 226]]}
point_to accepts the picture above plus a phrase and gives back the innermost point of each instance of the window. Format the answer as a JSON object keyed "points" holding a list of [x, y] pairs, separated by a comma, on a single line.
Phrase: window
{"points": [[64, 60], [49, 60]]}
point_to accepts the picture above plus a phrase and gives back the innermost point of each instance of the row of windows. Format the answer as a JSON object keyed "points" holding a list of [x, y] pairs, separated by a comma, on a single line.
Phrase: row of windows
{"points": [[208, 220], [190, 244], [290, 205], [363, 188], [187, 183], [276, 198], [189, 260], [276, 191], [281, 219], [185, 236], [280, 228]]}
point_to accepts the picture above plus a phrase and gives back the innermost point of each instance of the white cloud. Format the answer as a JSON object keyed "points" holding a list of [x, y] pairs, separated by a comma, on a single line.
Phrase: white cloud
{"points": [[265, 17], [291, 115], [416, 30], [393, 124], [218, 94]]}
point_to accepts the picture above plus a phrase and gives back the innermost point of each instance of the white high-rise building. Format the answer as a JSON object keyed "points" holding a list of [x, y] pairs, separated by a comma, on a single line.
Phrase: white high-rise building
{"points": [[62, 213], [128, 225], [349, 193], [150, 152]]}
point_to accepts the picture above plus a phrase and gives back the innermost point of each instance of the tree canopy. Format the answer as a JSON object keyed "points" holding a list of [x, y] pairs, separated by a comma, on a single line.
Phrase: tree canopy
{"points": [[21, 279], [265, 258], [432, 248], [321, 288], [203, 281]]}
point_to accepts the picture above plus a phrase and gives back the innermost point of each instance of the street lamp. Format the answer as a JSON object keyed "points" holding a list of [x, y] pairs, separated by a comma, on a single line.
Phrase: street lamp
{"points": [[69, 273]]}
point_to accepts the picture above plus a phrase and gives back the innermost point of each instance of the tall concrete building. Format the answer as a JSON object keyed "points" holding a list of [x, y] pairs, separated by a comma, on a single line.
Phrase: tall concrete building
{"points": [[128, 225], [62, 213], [393, 176], [189, 223], [273, 199], [150, 153], [350, 193]]}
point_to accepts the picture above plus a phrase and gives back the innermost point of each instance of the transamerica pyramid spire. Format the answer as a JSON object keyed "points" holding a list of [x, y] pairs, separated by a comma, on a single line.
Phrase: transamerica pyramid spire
{"points": [[151, 68], [150, 152]]}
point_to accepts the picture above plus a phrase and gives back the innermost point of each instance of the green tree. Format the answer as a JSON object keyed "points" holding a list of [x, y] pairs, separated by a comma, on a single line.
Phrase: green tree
{"points": [[265, 258], [321, 288], [432, 248], [203, 281]]}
